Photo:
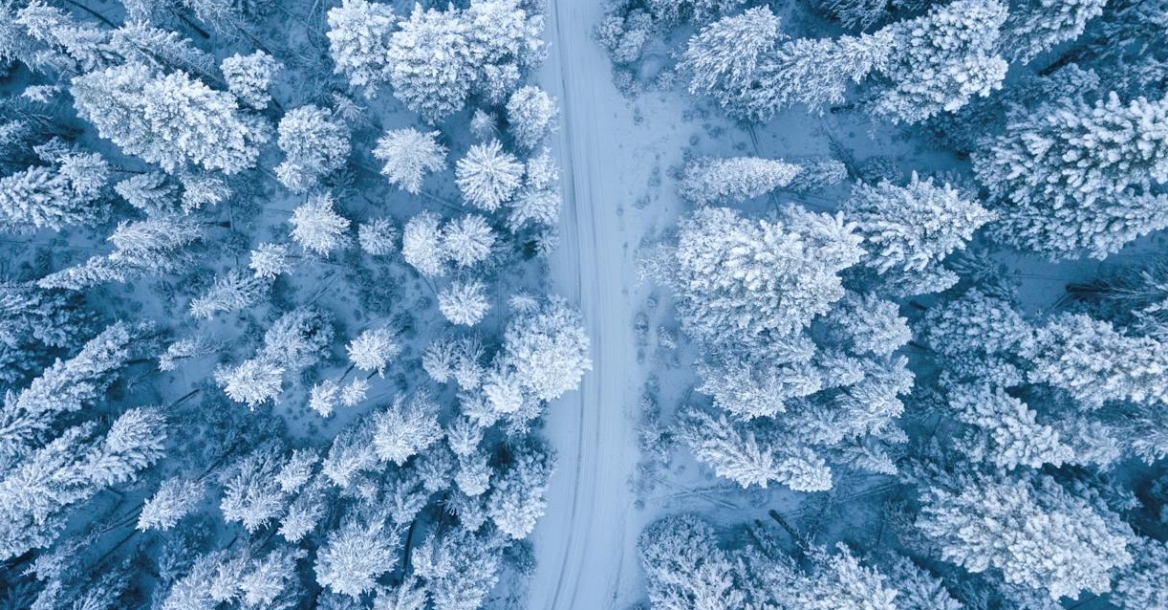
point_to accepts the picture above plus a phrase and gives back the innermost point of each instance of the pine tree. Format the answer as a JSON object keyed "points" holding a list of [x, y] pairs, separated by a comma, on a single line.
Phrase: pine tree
{"points": [[409, 155], [547, 349], [305, 512], [684, 567], [531, 115], [816, 72], [467, 240], [1072, 176], [251, 490], [152, 192], [139, 42], [250, 77], [734, 180], [378, 237], [738, 277], [1059, 543], [40, 198], [942, 60], [908, 231], [743, 453], [268, 261], [459, 569], [1036, 26], [423, 246], [728, 58], [464, 302], [517, 497], [66, 386], [1097, 364], [1012, 434], [299, 338], [351, 453], [373, 349], [171, 120], [673, 12], [317, 227], [432, 62], [405, 429], [176, 498], [355, 554], [756, 383], [359, 33], [315, 144], [488, 176], [231, 292], [254, 382], [1141, 585]]}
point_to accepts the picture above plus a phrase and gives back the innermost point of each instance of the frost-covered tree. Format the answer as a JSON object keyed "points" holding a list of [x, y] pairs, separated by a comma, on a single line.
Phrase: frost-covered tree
{"points": [[409, 155], [546, 349], [727, 59], [298, 339], [735, 179], [250, 77], [1141, 585], [941, 60], [268, 261], [43, 198], [405, 429], [517, 497], [64, 387], [350, 454], [33, 323], [306, 512], [464, 302], [358, 34], [488, 176], [172, 120], [816, 72], [372, 350], [747, 454], [672, 12], [152, 192], [253, 382], [176, 498], [231, 292], [423, 246], [1097, 364], [684, 567], [908, 231], [467, 240], [317, 227], [459, 569], [531, 115], [737, 277], [378, 237], [355, 554], [1073, 176], [432, 62], [1036, 26], [315, 144], [1012, 435], [1059, 543], [71, 468], [252, 494]]}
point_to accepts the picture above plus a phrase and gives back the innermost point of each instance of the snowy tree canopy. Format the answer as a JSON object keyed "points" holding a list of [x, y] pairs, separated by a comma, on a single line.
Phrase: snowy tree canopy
{"points": [[409, 155]]}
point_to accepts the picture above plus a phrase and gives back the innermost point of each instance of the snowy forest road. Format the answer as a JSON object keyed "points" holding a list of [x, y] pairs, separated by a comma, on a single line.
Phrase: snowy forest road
{"points": [[585, 543]]}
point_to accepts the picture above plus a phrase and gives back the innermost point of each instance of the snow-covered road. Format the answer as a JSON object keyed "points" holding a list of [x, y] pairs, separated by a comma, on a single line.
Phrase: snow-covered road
{"points": [[585, 544]]}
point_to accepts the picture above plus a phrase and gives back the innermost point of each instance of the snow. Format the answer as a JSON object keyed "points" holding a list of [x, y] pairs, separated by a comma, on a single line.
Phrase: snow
{"points": [[586, 542]]}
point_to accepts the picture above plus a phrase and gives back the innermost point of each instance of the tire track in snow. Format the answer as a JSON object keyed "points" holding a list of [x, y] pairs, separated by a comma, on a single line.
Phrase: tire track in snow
{"points": [[581, 542]]}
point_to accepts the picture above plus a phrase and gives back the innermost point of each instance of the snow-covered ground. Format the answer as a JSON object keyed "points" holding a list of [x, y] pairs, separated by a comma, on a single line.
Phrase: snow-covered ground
{"points": [[585, 544]]}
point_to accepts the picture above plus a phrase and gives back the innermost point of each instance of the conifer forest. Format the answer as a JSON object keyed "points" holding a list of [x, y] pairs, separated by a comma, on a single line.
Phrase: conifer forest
{"points": [[584, 304]]}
